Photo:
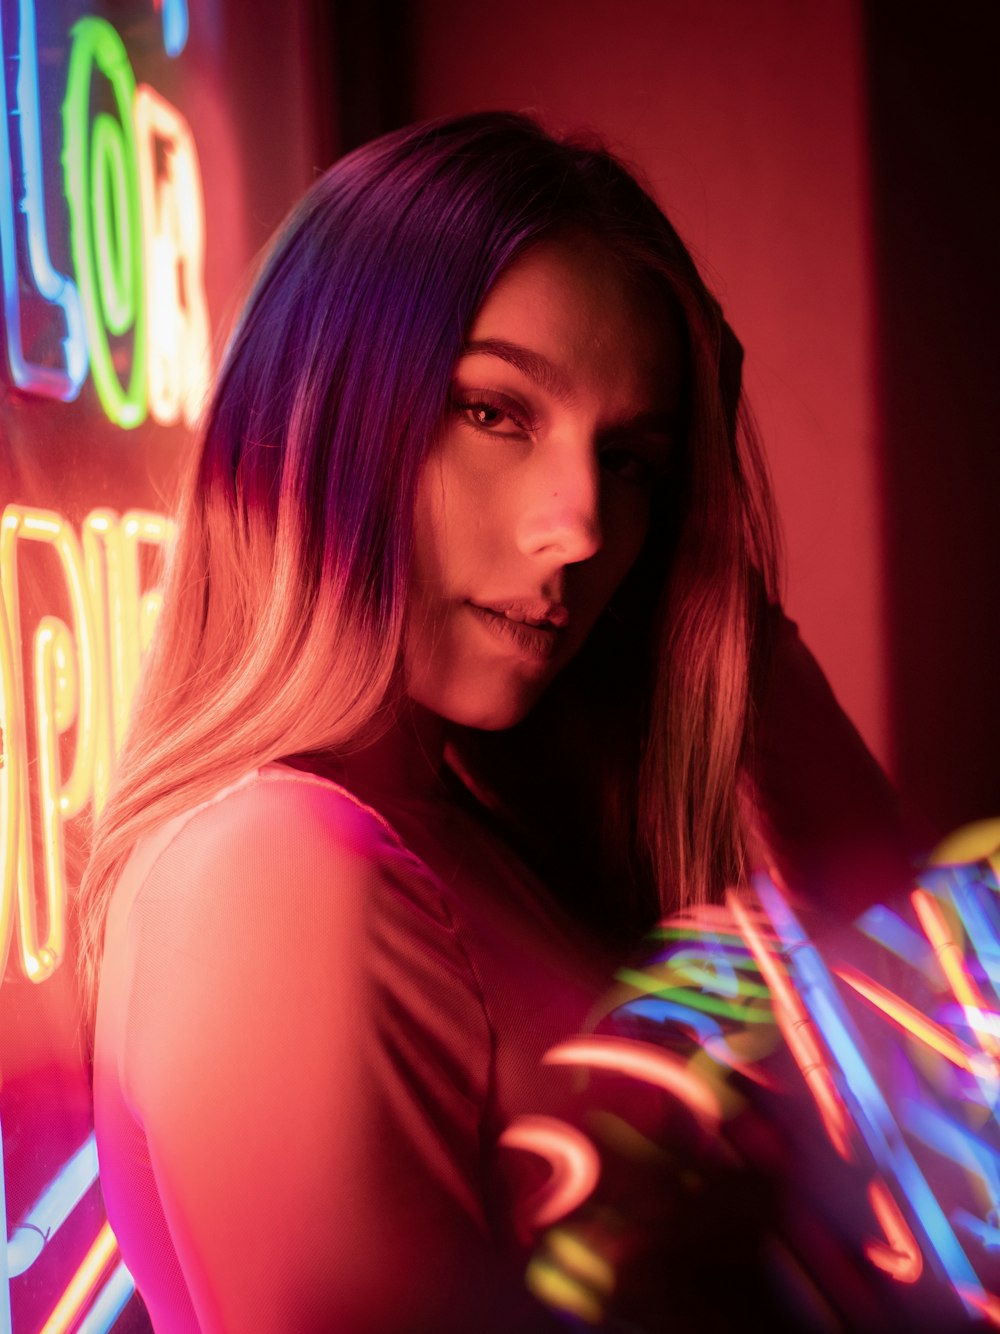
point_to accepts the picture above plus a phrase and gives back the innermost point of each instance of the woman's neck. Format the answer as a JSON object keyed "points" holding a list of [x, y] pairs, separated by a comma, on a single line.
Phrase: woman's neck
{"points": [[407, 761]]}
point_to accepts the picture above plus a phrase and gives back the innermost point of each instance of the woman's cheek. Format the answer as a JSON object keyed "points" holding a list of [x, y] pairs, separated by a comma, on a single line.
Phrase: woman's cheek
{"points": [[625, 520]]}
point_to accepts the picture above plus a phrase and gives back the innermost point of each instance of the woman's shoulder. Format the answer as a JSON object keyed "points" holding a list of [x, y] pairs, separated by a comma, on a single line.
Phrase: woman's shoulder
{"points": [[287, 803], [284, 884], [277, 809], [276, 844]]}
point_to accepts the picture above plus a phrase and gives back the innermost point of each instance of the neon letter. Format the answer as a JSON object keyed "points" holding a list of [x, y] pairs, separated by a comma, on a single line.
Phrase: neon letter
{"points": [[105, 223], [11, 780], [174, 231], [63, 381], [64, 673]]}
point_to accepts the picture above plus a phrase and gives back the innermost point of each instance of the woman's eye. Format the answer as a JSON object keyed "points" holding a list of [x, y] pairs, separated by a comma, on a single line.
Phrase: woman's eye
{"points": [[629, 465], [492, 416]]}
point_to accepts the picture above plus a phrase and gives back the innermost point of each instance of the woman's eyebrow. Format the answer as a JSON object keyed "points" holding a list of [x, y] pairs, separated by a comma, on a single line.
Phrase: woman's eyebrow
{"points": [[532, 364], [652, 423], [550, 378]]}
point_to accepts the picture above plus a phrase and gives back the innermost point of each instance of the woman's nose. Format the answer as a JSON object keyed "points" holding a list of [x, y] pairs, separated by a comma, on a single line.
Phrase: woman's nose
{"points": [[560, 513]]}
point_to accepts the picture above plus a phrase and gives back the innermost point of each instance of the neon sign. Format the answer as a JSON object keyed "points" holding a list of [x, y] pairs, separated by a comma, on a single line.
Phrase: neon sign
{"points": [[84, 676], [100, 1285], [134, 202]]}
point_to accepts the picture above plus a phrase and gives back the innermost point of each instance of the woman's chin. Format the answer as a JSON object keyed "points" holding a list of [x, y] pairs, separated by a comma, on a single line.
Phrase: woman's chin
{"points": [[489, 712]]}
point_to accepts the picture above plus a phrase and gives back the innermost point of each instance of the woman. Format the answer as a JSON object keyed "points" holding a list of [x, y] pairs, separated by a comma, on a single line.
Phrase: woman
{"points": [[461, 679]]}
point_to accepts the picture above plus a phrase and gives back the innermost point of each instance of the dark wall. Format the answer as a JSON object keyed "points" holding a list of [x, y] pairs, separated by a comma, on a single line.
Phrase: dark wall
{"points": [[935, 152]]}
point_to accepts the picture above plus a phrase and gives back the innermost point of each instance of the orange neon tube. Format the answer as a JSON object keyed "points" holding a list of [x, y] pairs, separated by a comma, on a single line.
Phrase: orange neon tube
{"points": [[900, 1258], [625, 1056], [573, 1159], [912, 1021], [952, 960], [798, 1031], [987, 1303]]}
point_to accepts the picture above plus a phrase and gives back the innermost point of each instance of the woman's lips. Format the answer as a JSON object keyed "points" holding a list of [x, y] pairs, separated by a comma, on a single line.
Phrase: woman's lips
{"points": [[533, 611], [533, 641]]}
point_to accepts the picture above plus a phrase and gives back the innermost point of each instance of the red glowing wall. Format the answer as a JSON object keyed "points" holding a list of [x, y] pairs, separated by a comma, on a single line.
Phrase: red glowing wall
{"points": [[832, 166]]}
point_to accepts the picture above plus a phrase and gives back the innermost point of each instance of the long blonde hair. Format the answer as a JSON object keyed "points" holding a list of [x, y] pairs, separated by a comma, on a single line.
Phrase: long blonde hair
{"points": [[285, 599]]}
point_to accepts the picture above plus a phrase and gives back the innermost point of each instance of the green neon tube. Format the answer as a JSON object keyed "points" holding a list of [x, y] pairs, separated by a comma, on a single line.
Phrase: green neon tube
{"points": [[101, 178], [112, 241]]}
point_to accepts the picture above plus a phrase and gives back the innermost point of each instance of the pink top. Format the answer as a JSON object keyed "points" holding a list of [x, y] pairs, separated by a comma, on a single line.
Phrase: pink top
{"points": [[281, 949], [378, 999]]}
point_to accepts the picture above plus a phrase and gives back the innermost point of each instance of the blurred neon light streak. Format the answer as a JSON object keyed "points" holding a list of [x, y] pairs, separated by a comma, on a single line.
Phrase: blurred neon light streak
{"points": [[639, 1061], [887, 928], [660, 1011], [986, 1303], [872, 1115], [983, 934], [581, 1260], [554, 1286], [916, 1024], [952, 959], [55, 1204], [572, 1275], [175, 25], [82, 1284], [957, 1143], [988, 1234], [799, 1033], [649, 984], [693, 932], [726, 940], [54, 287], [724, 982], [702, 1027], [573, 1159], [955, 1016], [712, 972], [901, 1258], [109, 1303]]}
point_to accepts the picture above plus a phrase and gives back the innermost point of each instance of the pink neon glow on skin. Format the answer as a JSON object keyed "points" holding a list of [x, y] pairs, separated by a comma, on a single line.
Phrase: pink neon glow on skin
{"points": [[536, 495]]}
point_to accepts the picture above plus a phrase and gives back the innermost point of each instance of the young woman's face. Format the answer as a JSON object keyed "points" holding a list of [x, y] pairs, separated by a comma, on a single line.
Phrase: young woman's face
{"points": [[535, 499]]}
